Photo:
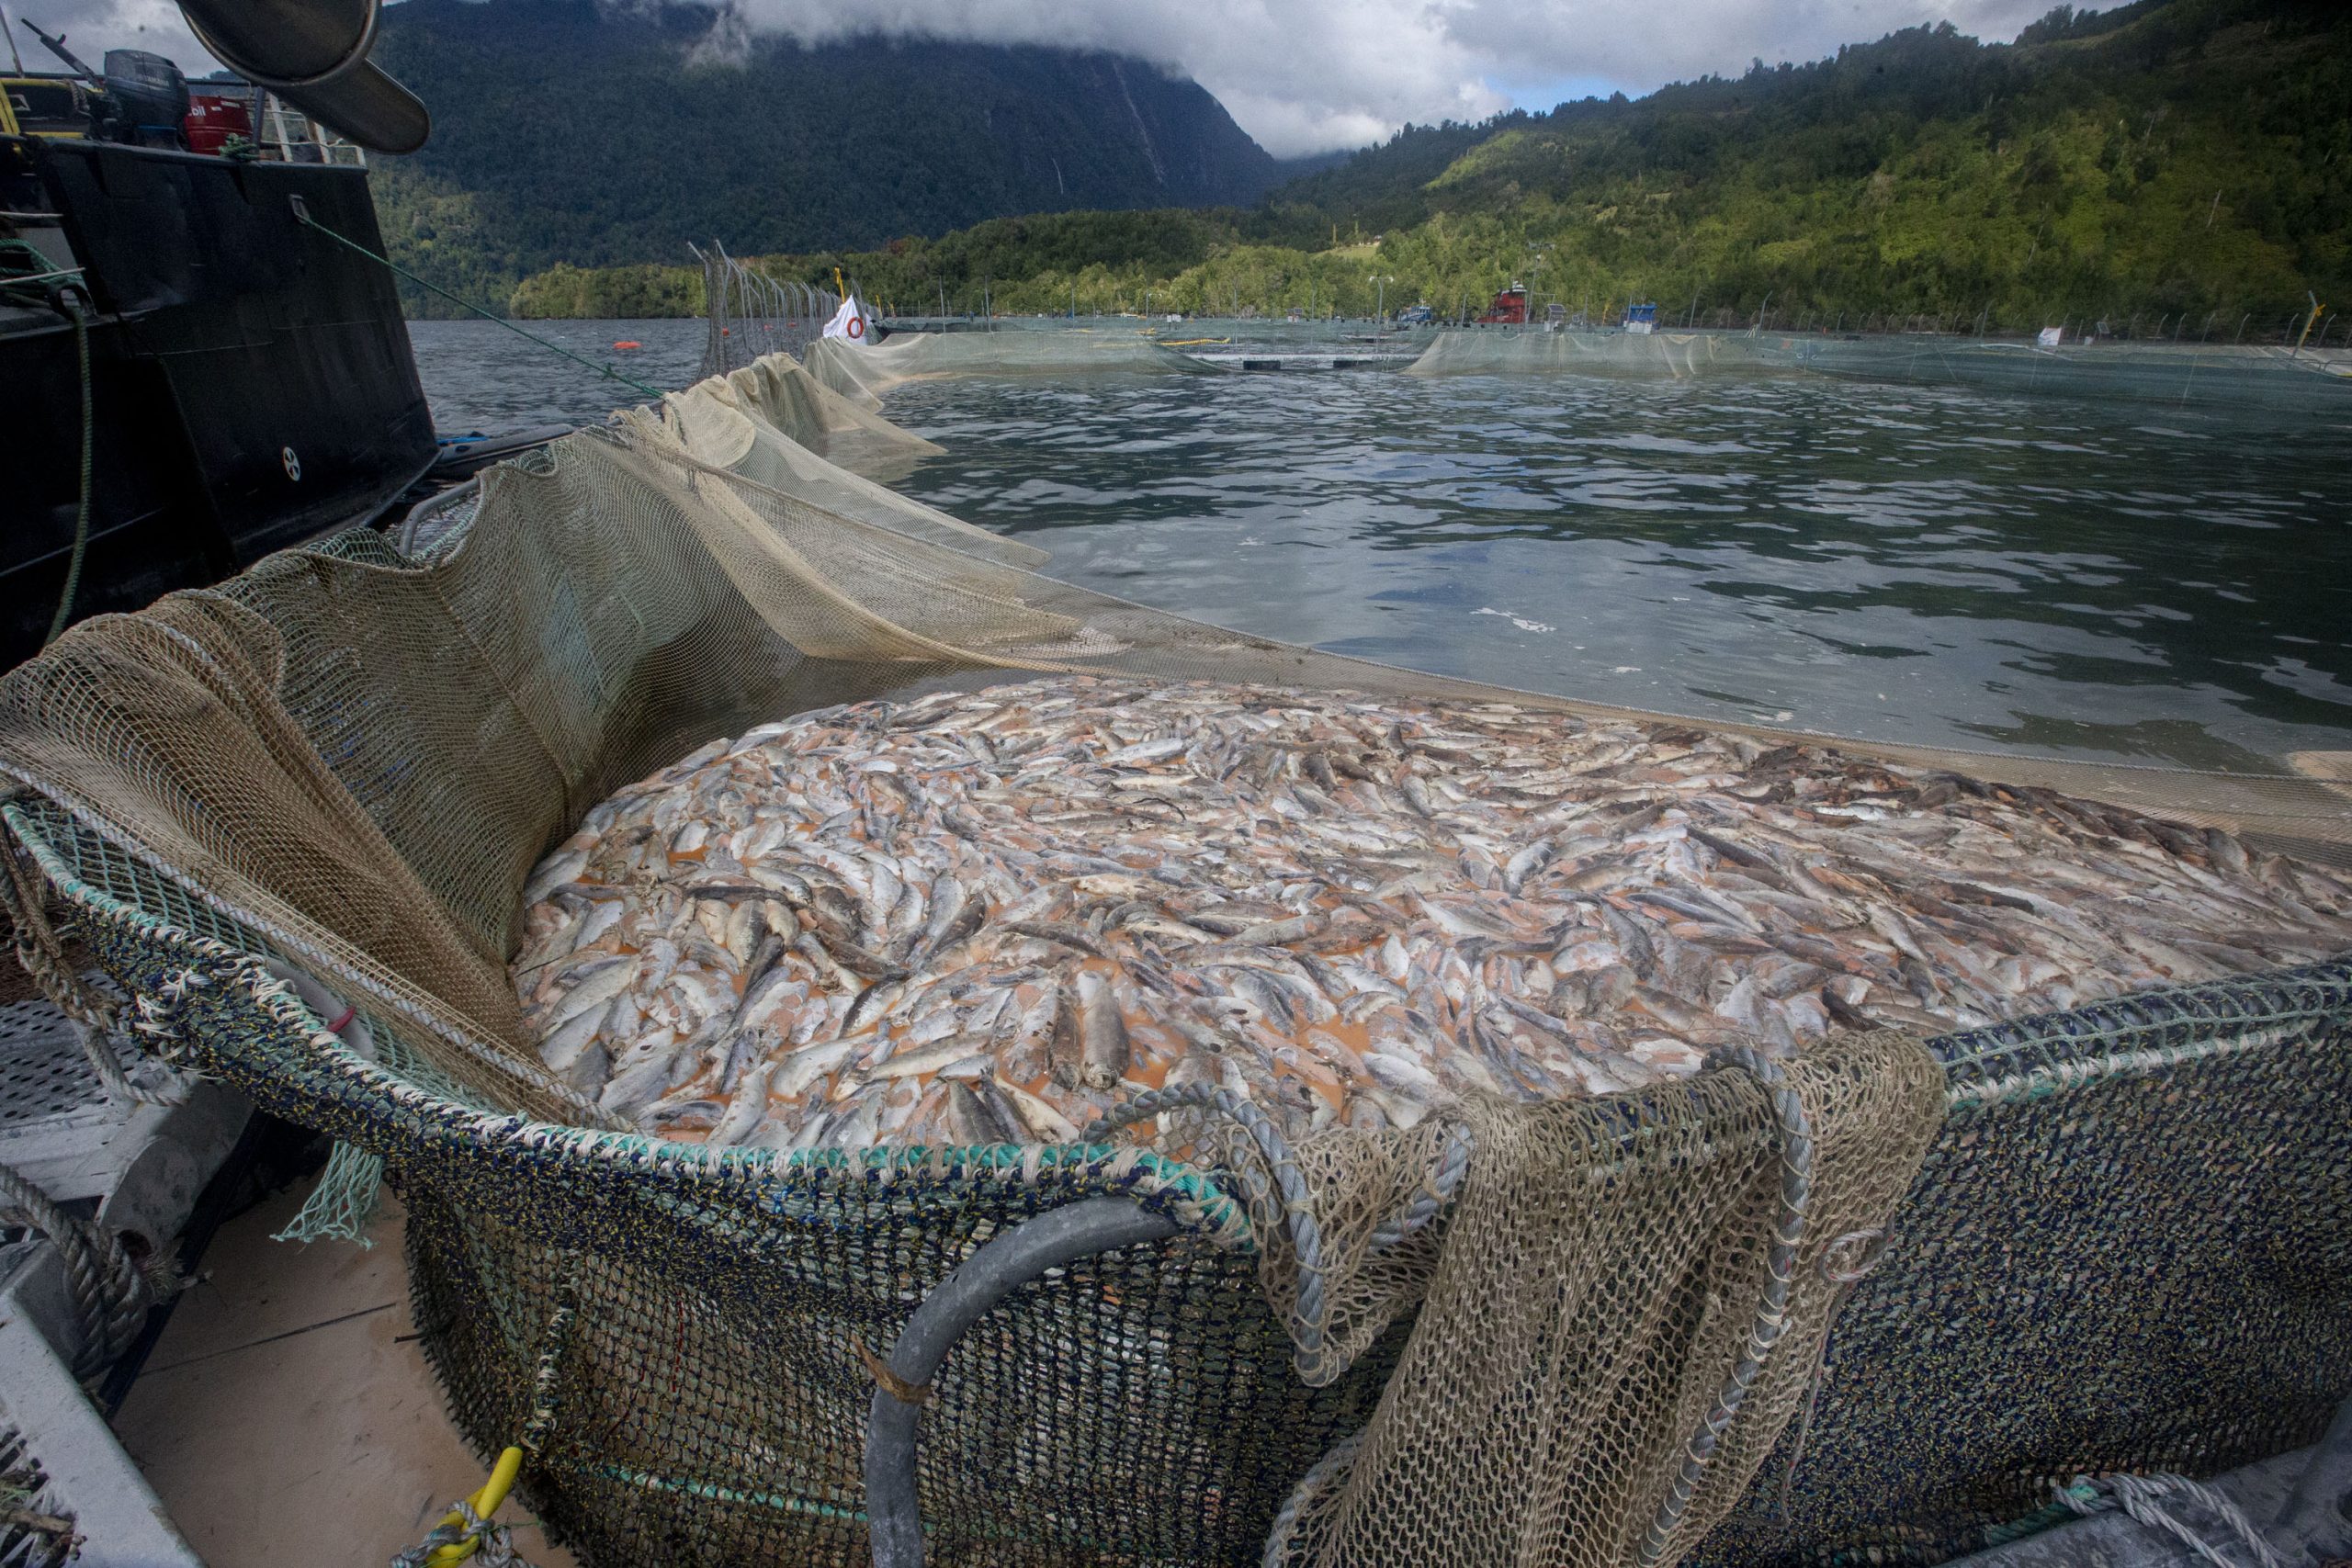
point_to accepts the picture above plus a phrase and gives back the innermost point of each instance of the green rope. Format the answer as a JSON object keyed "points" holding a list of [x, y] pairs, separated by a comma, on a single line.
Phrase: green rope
{"points": [[344, 1203], [607, 370], [82, 513]]}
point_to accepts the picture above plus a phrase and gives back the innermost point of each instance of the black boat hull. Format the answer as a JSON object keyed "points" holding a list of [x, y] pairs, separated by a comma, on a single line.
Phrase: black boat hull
{"points": [[251, 378]]}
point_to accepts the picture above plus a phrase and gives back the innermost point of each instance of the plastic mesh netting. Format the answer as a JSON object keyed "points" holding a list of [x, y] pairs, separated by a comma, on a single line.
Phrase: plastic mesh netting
{"points": [[1487, 351], [2124, 1253], [857, 372], [344, 764], [2187, 375]]}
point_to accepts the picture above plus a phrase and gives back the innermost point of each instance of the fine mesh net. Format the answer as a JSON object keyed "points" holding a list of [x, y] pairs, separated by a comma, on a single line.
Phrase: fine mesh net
{"points": [[2185, 375], [859, 372], [1577, 1375], [1488, 351], [777, 397], [347, 762], [2182, 374], [728, 425]]}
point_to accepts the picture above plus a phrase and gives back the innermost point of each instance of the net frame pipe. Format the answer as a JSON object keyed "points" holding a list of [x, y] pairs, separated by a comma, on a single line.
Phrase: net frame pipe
{"points": [[1053, 1240]]}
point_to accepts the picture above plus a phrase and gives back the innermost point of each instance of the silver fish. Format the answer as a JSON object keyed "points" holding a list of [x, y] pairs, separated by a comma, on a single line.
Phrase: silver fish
{"points": [[1005, 909]]}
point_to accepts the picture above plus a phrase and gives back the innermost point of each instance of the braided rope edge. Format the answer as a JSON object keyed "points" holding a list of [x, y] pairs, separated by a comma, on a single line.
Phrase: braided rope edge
{"points": [[1771, 1320]]}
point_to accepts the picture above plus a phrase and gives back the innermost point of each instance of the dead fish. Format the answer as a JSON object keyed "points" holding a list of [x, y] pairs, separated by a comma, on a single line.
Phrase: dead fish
{"points": [[971, 1121], [1145, 751], [1103, 1045], [1039, 1119], [953, 916], [748, 1108], [1002, 909], [562, 1048], [636, 1087], [858, 960], [594, 988]]}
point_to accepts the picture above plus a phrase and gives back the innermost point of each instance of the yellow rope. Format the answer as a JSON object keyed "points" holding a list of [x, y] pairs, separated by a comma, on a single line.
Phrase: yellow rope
{"points": [[484, 1503]]}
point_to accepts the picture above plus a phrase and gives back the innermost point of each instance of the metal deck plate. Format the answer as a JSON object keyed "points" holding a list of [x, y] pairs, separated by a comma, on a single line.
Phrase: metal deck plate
{"points": [[43, 1074], [57, 1124]]}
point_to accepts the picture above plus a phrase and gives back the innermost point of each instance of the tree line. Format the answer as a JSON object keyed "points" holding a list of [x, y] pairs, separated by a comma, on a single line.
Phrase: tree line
{"points": [[2176, 162]]}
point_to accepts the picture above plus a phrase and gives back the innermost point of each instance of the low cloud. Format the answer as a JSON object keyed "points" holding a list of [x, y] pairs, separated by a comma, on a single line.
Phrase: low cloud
{"points": [[1300, 76], [93, 26], [1308, 75]]}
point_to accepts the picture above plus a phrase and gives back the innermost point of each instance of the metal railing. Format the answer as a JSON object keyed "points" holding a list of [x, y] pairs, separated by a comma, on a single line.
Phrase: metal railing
{"points": [[749, 313]]}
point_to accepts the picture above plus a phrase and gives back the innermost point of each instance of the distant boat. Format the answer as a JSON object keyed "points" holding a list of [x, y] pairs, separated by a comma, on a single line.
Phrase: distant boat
{"points": [[1507, 309], [1416, 316], [1641, 319]]}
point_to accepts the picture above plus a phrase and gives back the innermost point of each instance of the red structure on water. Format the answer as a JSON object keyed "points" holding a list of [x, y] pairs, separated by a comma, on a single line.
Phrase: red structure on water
{"points": [[1509, 309]]}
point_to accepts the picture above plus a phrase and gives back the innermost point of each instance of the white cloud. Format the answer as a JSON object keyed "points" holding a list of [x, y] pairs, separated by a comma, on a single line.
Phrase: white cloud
{"points": [[1305, 75], [1642, 46]]}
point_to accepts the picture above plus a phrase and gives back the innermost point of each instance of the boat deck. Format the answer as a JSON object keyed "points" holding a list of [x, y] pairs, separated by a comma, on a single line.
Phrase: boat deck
{"points": [[288, 1415]]}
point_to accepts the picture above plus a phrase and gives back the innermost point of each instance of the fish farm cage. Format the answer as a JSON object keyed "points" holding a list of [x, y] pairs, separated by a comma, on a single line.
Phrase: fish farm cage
{"points": [[2276, 379], [2286, 377], [748, 314], [1862, 1305]]}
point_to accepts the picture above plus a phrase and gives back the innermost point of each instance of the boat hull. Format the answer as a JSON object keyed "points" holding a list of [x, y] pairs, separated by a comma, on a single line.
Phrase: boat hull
{"points": [[251, 378]]}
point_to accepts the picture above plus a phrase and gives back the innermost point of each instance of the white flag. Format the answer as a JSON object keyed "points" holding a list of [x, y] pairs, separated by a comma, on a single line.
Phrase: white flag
{"points": [[851, 320]]}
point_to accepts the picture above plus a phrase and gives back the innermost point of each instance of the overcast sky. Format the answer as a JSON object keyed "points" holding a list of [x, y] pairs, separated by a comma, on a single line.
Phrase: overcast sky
{"points": [[1300, 76]]}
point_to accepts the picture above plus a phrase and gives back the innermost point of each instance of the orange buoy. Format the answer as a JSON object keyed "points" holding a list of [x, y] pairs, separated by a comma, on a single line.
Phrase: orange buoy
{"points": [[629, 342]]}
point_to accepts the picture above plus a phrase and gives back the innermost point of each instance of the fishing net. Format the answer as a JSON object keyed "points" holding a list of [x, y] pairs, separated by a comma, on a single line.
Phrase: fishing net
{"points": [[2184, 374], [1587, 1416], [1491, 351], [748, 315], [293, 814], [857, 372], [2124, 1253], [779, 398]]}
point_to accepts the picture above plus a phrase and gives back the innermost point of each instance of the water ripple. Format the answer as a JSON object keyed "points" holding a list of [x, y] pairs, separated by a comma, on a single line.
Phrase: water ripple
{"points": [[1917, 563], [1913, 563]]}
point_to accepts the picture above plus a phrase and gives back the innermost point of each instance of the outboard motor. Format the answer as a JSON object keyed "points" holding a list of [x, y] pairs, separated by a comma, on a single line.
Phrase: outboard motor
{"points": [[142, 97], [147, 98], [313, 53]]}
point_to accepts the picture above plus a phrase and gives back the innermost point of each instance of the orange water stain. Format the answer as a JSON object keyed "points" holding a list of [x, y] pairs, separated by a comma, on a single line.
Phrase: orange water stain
{"points": [[1356, 1037]]}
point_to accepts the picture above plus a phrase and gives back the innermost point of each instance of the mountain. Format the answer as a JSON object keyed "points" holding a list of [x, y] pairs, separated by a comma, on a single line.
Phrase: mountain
{"points": [[2179, 166], [2162, 157], [598, 134]]}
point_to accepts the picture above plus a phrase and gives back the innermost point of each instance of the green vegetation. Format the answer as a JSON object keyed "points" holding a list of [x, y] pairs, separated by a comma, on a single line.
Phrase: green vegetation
{"points": [[567, 131], [610, 293], [2191, 157], [2180, 160]]}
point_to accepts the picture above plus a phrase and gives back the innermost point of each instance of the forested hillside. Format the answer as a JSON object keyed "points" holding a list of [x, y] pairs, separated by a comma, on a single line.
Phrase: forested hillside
{"points": [[566, 131], [2188, 160]]}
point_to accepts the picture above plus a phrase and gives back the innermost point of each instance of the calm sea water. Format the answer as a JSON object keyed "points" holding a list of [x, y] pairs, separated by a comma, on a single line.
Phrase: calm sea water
{"points": [[2098, 579], [481, 376]]}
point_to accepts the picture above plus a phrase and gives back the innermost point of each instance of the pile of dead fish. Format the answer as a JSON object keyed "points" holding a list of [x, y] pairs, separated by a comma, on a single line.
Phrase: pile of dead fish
{"points": [[985, 918]]}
